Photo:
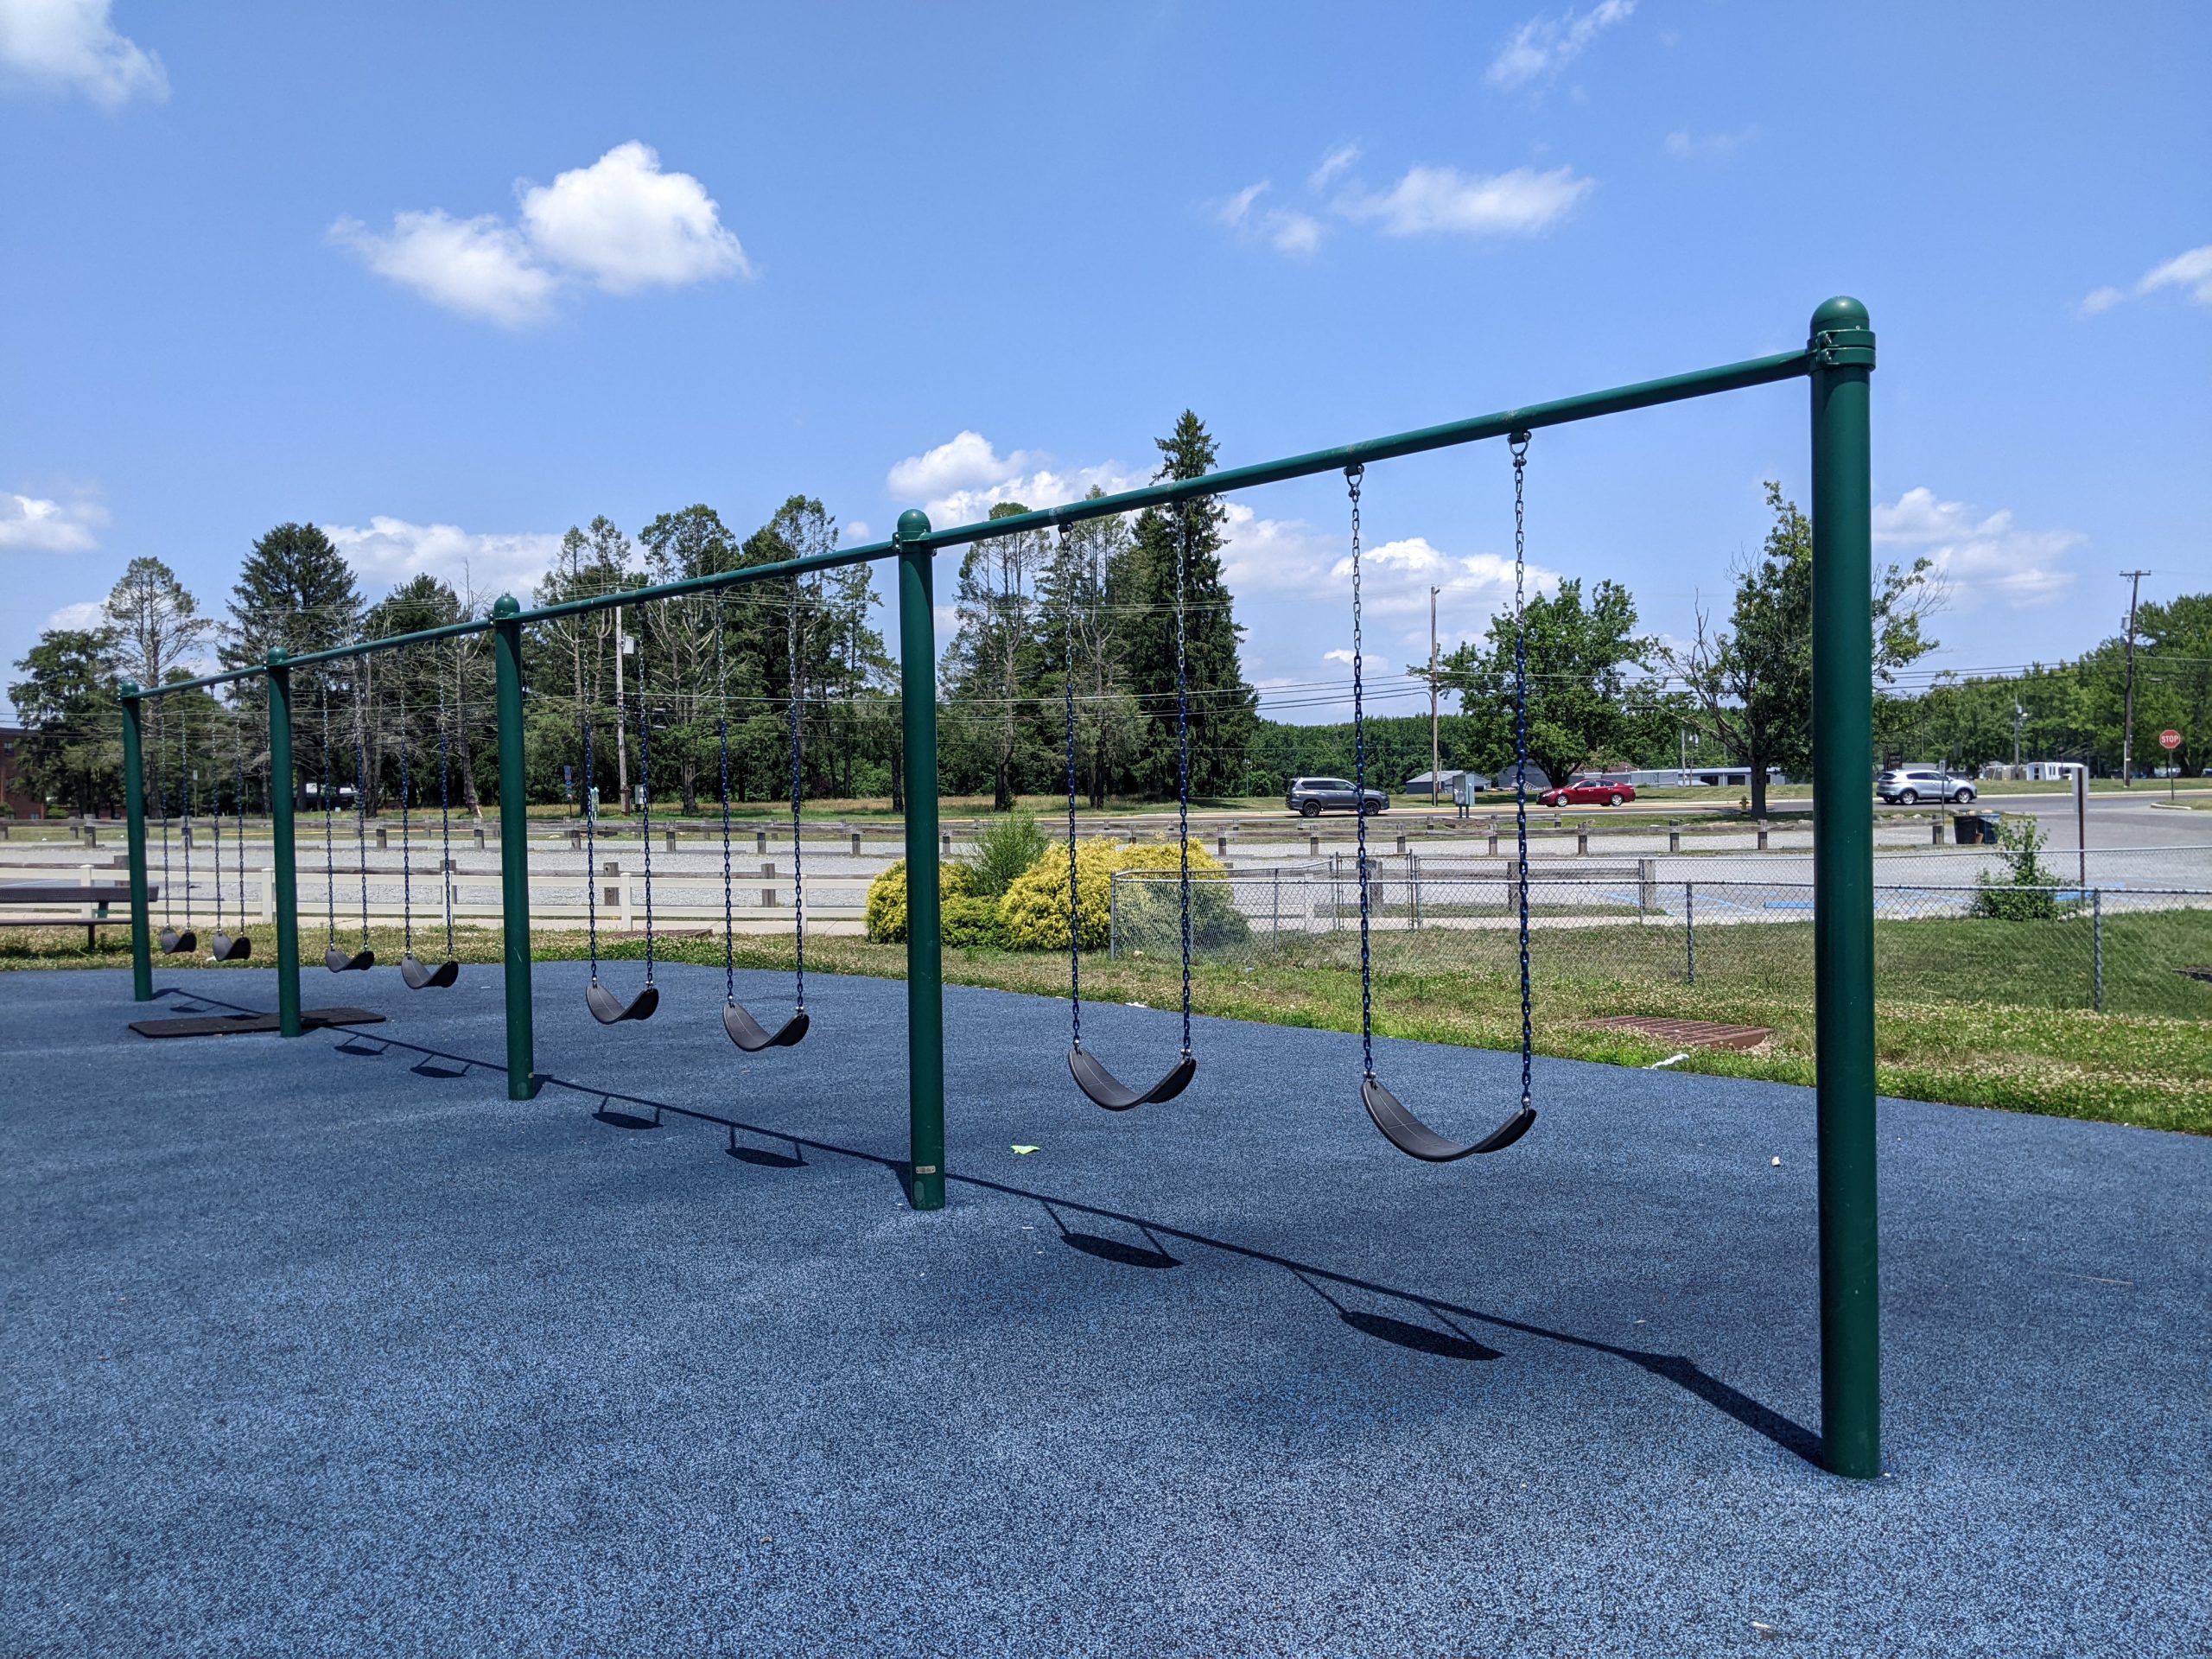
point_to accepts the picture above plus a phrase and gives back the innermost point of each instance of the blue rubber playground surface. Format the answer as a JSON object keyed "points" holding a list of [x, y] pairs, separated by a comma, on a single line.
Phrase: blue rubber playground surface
{"points": [[326, 1348]]}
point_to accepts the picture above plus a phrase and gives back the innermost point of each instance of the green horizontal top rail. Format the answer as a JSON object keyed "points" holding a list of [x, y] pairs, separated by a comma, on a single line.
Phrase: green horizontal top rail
{"points": [[1826, 350]]}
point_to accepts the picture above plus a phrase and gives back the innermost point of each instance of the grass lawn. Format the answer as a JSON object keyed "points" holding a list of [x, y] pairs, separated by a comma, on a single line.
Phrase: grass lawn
{"points": [[1977, 1013]]}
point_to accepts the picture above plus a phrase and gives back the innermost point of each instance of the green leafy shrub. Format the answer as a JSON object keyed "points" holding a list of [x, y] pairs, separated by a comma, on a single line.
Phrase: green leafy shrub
{"points": [[1004, 852], [1034, 912], [886, 899], [971, 919], [2022, 892]]}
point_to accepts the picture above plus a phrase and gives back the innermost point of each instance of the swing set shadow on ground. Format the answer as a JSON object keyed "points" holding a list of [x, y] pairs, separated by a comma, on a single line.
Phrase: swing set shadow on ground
{"points": [[318, 1337]]}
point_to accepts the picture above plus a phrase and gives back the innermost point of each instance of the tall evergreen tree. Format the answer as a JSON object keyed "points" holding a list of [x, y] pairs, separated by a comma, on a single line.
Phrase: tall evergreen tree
{"points": [[296, 590], [1141, 587]]}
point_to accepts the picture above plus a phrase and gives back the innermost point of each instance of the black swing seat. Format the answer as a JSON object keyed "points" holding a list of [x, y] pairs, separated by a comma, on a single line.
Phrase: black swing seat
{"points": [[223, 948], [752, 1036], [175, 943], [338, 961], [1110, 1091], [419, 976], [1416, 1140], [610, 1009]]}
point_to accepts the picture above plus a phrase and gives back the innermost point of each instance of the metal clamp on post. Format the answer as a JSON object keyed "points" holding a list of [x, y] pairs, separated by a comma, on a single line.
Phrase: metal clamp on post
{"points": [[1842, 348]]}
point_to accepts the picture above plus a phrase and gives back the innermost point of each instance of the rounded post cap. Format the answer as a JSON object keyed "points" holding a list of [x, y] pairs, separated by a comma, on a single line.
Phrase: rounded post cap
{"points": [[506, 605], [1841, 312], [913, 523], [127, 689], [278, 656]]}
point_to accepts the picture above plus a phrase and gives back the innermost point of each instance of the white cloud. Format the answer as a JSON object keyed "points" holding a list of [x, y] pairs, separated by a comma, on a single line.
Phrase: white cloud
{"points": [[84, 614], [1543, 46], [853, 532], [963, 478], [1442, 199], [1286, 230], [1332, 164], [1266, 558], [626, 225], [962, 461], [1689, 146], [71, 44], [391, 550], [2192, 270], [479, 267], [30, 523], [1979, 556], [620, 224]]}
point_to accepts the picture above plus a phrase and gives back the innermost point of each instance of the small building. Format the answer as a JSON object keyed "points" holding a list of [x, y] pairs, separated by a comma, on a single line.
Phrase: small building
{"points": [[2053, 771], [15, 793], [1720, 776], [1439, 786]]}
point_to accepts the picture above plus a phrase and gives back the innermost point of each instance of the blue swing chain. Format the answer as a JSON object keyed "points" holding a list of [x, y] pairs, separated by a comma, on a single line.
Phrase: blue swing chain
{"points": [[361, 807], [1183, 761], [797, 700], [184, 765], [445, 812], [1075, 913], [591, 853], [1519, 441], [162, 804], [1353, 474], [329, 845], [645, 808], [406, 847], [722, 735]]}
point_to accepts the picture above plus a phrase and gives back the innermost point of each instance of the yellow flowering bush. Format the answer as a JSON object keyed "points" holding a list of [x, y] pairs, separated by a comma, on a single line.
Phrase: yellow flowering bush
{"points": [[1034, 915], [886, 899]]}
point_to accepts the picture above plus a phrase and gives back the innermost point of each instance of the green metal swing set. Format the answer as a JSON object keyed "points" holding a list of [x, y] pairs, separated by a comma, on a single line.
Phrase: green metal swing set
{"points": [[1837, 361]]}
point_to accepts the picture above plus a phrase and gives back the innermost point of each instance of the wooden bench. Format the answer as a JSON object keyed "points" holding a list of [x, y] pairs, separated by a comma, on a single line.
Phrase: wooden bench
{"points": [[58, 895]]}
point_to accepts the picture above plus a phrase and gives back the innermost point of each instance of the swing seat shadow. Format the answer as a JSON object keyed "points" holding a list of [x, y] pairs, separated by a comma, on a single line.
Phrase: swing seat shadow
{"points": [[615, 1118], [764, 1159], [1115, 1250], [1421, 1339]]}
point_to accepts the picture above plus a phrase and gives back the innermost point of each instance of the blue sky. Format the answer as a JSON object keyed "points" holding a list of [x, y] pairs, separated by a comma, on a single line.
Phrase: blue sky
{"points": [[447, 280]]}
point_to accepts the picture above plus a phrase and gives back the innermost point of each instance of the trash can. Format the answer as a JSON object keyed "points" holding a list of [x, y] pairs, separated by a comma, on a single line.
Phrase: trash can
{"points": [[1976, 829]]}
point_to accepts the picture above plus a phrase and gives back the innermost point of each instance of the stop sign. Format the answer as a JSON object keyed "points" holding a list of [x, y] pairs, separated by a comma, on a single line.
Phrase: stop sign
{"points": [[2169, 738]]}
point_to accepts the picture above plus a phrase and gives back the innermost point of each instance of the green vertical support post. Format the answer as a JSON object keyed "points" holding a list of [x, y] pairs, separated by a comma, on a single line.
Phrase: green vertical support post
{"points": [[514, 850], [283, 850], [924, 937], [134, 832], [1842, 348]]}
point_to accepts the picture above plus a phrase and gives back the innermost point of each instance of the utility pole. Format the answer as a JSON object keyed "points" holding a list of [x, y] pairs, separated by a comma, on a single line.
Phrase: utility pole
{"points": [[621, 716], [1435, 749], [2134, 581], [2019, 714]]}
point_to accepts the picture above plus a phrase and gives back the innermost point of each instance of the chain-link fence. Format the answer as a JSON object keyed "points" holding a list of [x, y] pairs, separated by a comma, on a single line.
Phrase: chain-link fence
{"points": [[2132, 950]]}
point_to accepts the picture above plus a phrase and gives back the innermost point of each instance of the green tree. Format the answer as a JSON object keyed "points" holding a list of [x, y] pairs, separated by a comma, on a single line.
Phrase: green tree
{"points": [[1583, 700], [992, 668], [677, 678], [294, 591], [72, 754], [1083, 638], [1141, 587], [1755, 679], [156, 623]]}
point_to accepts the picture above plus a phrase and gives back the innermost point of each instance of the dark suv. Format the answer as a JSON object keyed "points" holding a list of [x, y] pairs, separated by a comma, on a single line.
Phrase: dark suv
{"points": [[1311, 797]]}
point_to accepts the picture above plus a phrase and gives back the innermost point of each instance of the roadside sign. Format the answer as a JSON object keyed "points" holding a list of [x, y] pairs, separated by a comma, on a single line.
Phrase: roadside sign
{"points": [[2169, 738]]}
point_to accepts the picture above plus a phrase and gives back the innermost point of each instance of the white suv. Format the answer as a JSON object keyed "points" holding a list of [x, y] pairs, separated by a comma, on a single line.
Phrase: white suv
{"points": [[1907, 785]]}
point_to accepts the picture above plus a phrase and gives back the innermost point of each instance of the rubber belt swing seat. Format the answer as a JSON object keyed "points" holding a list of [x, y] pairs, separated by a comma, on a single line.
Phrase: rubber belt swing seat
{"points": [[747, 1033], [222, 947], [1398, 1124], [1099, 1085], [607, 1008], [416, 974]]}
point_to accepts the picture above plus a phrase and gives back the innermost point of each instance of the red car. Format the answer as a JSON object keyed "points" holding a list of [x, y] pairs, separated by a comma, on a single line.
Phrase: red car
{"points": [[1590, 792]]}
